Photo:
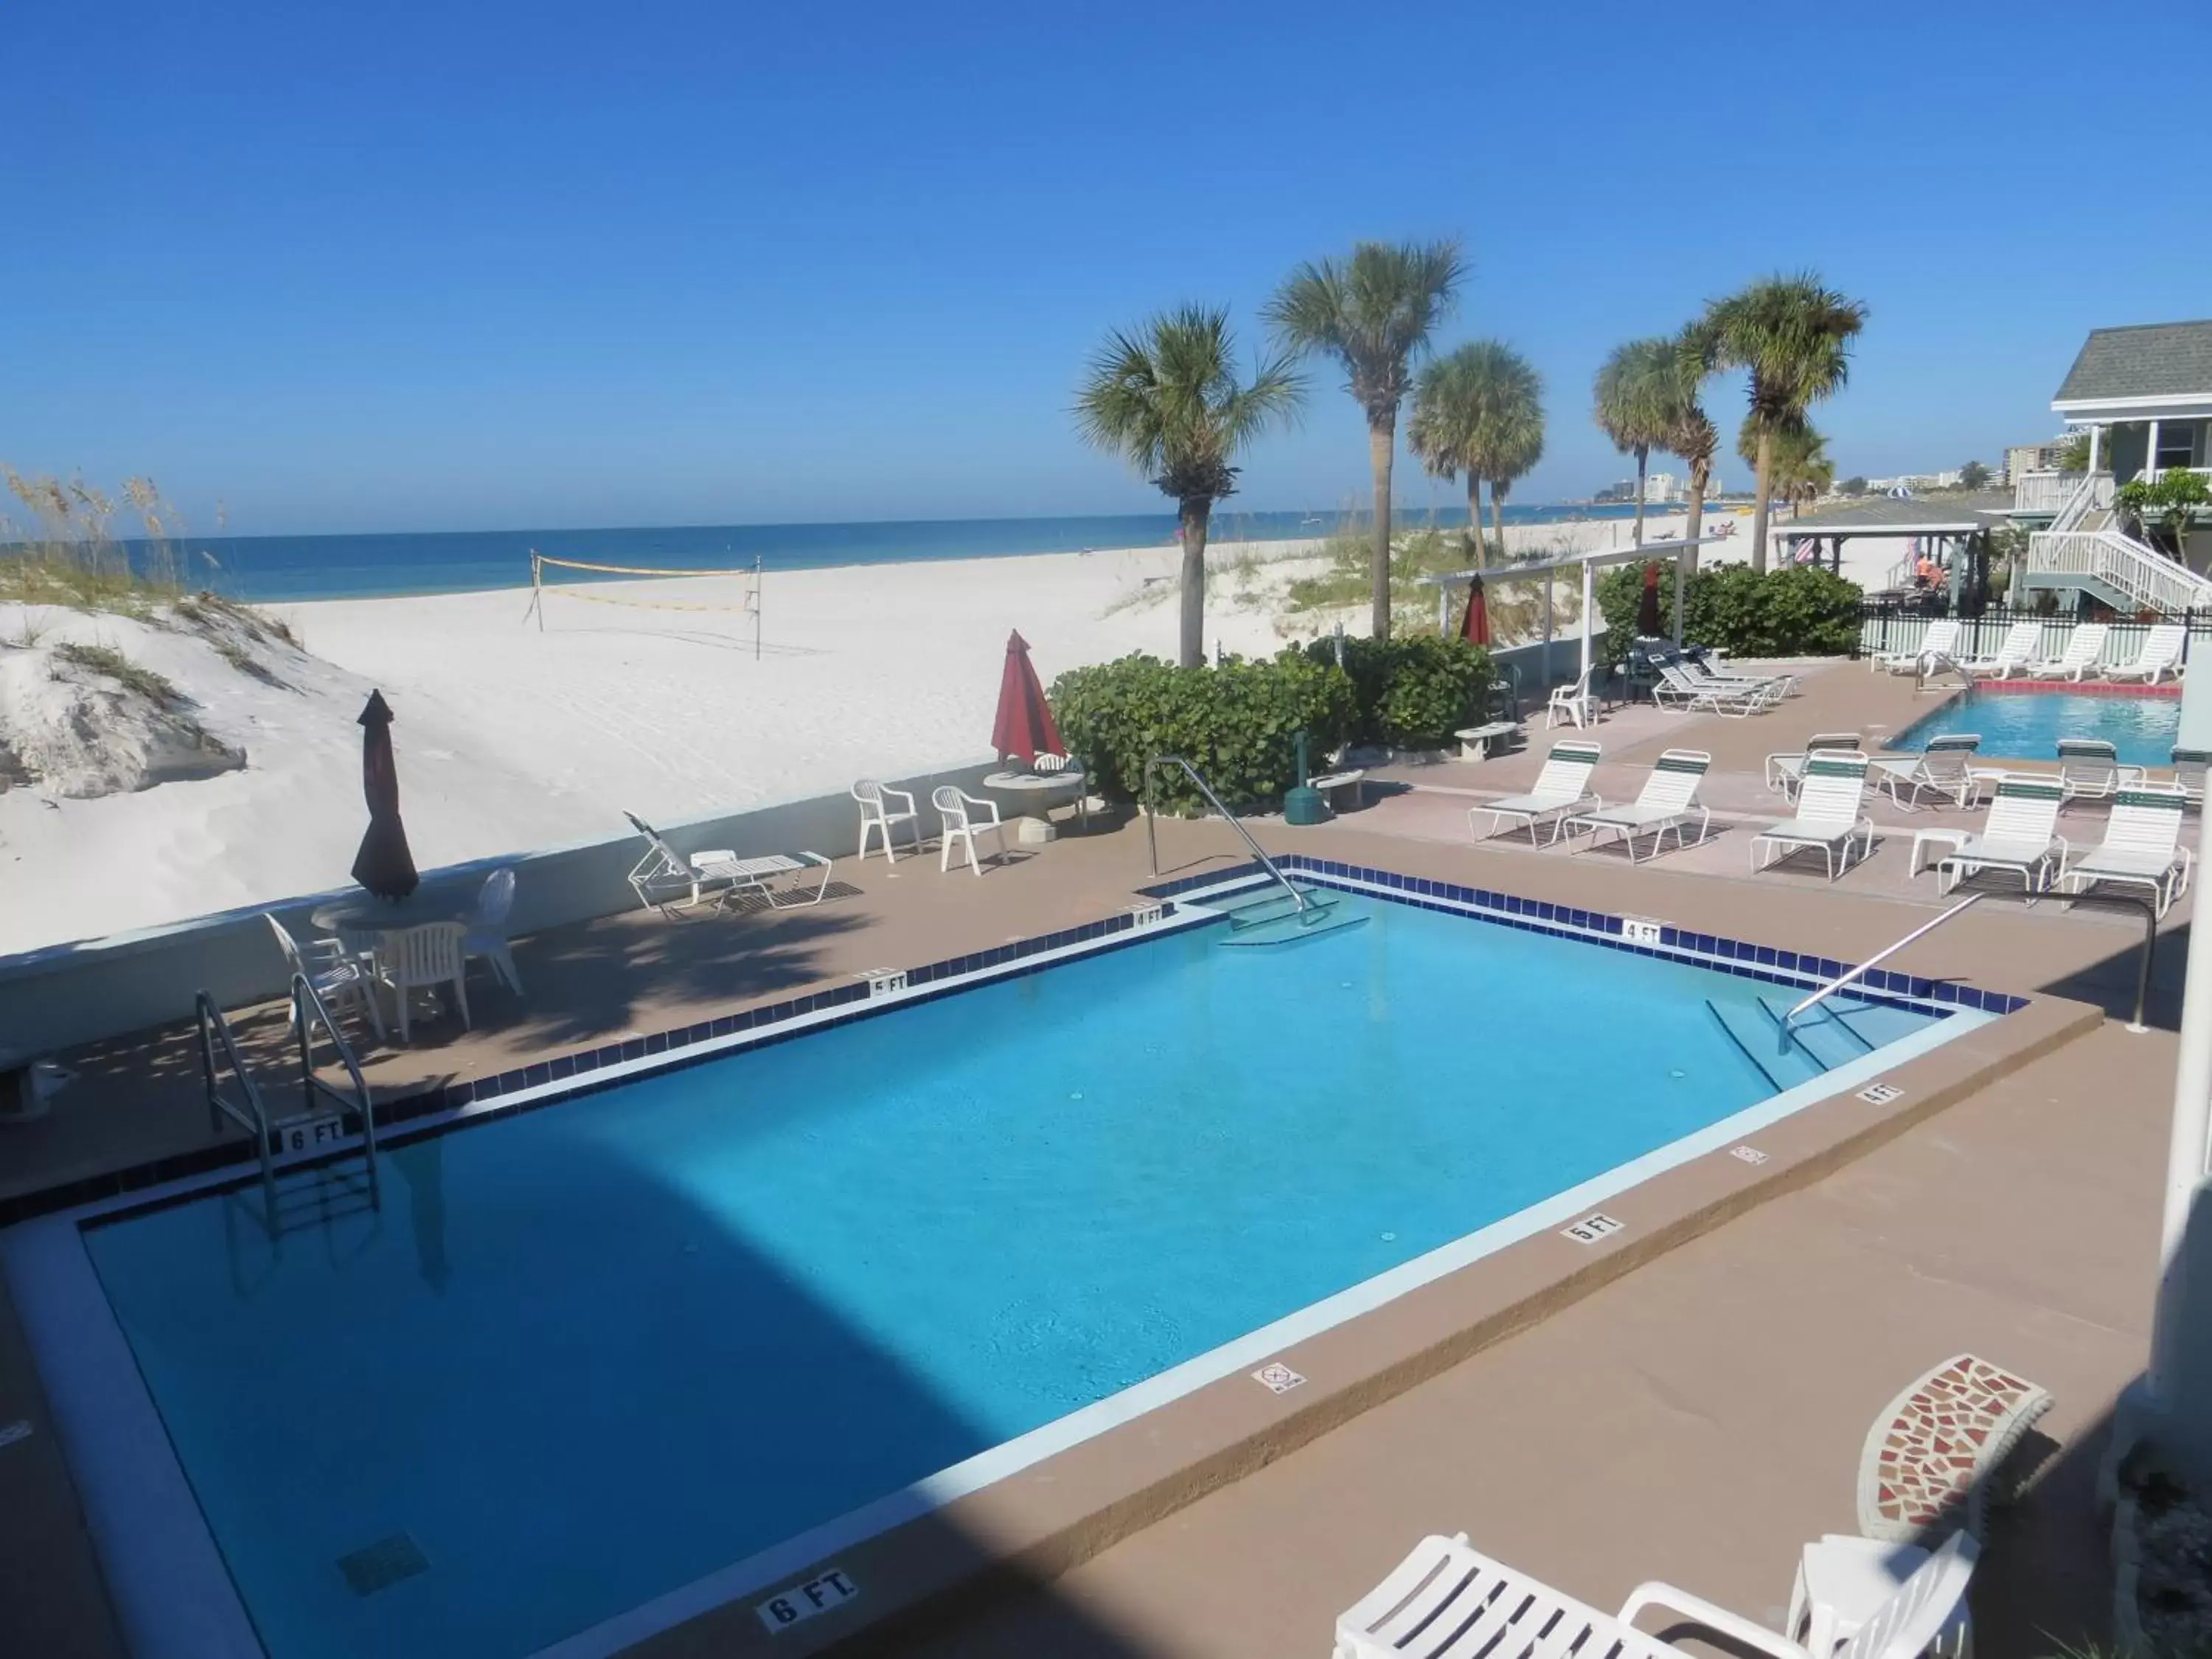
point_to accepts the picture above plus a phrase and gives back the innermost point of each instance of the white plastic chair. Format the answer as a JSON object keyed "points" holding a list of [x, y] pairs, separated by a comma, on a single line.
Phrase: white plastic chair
{"points": [[1843, 1581], [1574, 702], [1668, 799], [2160, 655], [955, 810], [879, 817], [1445, 1600], [340, 978], [1828, 815], [2142, 846], [487, 928], [1048, 765], [1561, 787], [428, 956]]}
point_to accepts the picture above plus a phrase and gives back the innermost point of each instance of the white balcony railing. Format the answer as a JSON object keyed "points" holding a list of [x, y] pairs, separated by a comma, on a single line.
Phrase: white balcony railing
{"points": [[2148, 579], [2053, 492]]}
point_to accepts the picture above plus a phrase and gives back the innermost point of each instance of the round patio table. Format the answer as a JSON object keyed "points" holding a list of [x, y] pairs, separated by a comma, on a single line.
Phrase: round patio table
{"points": [[361, 922], [1028, 797]]}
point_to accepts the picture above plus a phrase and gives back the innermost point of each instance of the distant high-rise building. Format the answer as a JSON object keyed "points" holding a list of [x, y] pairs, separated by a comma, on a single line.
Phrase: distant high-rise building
{"points": [[1661, 487]]}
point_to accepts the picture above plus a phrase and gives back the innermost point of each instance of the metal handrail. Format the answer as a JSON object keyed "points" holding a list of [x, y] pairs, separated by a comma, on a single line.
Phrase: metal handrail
{"points": [[1873, 961], [252, 1116], [1152, 819], [308, 1010]]}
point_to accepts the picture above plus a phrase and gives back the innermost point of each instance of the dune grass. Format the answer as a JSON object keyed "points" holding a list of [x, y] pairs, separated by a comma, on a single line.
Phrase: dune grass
{"points": [[110, 663]]}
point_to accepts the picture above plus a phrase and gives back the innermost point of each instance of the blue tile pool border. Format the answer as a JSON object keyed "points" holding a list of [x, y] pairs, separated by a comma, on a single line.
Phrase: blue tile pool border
{"points": [[702, 1041]]}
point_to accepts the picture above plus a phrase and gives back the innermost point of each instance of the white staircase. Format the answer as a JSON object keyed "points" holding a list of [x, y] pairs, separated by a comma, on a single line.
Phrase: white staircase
{"points": [[2081, 549]]}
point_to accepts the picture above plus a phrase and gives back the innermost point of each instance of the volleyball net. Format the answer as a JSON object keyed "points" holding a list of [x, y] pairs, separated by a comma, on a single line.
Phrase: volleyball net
{"points": [[748, 603]]}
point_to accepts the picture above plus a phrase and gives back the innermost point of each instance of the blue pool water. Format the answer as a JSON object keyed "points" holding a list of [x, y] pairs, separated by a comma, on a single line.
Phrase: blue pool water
{"points": [[2027, 725], [591, 1353]]}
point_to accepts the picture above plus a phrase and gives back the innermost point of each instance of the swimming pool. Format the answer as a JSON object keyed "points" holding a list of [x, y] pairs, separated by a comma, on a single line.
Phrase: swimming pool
{"points": [[589, 1354], [2023, 724]]}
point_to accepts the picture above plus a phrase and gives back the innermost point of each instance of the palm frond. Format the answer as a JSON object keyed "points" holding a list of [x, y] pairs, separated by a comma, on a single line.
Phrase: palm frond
{"points": [[1373, 312]]}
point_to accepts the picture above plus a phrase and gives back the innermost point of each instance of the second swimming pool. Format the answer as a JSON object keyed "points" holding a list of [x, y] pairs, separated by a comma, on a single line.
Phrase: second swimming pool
{"points": [[592, 1352]]}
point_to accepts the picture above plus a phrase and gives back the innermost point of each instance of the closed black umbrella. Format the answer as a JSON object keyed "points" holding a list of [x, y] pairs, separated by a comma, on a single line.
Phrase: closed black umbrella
{"points": [[384, 866]]}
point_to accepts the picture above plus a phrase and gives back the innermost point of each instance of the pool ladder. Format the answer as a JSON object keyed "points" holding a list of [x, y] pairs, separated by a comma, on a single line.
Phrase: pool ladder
{"points": [[327, 1114]]}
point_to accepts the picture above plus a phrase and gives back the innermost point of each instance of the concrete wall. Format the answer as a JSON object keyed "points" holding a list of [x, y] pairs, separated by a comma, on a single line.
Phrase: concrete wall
{"points": [[80, 993]]}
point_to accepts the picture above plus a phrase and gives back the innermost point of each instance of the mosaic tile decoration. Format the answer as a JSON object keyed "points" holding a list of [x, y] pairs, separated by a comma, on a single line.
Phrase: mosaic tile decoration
{"points": [[1931, 1456]]}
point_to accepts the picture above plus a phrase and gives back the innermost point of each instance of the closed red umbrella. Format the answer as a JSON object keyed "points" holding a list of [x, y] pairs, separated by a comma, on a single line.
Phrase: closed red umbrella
{"points": [[384, 866], [1474, 627], [1647, 608], [1024, 728]]}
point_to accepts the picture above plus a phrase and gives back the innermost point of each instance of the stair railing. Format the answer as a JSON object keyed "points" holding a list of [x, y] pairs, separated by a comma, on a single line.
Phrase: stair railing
{"points": [[1152, 819]]}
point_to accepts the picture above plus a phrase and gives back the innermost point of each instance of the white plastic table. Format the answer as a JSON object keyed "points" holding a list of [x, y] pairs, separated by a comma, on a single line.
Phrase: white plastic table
{"points": [[1954, 839], [1029, 797]]}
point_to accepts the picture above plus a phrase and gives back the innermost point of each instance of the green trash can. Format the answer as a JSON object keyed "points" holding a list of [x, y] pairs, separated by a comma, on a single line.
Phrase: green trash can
{"points": [[1303, 805]]}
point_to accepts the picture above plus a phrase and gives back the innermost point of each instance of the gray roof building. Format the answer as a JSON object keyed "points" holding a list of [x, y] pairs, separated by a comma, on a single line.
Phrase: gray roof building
{"points": [[2134, 372]]}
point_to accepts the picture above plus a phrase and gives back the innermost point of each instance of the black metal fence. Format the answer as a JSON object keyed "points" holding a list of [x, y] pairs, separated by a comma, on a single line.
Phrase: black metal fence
{"points": [[1901, 627]]}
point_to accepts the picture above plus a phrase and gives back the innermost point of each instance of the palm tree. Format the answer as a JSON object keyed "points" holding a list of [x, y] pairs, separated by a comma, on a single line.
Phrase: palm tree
{"points": [[1692, 435], [1166, 398], [1480, 412], [1794, 336], [1372, 313], [1799, 455], [1634, 402]]}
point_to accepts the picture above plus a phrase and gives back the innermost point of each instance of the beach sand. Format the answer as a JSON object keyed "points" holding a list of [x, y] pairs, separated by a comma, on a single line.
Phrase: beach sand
{"points": [[511, 739]]}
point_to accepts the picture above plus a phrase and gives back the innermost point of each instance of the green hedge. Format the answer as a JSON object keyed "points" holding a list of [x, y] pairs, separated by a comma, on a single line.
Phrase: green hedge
{"points": [[1236, 723], [1412, 693], [1794, 611]]}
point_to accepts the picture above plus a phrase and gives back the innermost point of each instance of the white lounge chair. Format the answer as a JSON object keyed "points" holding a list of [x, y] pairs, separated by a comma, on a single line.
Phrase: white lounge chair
{"points": [[1785, 769], [2089, 769], [879, 817], [2161, 656], [2012, 656], [1783, 685], [487, 929], [1573, 703], [2188, 769], [2020, 833], [2142, 846], [1941, 639], [956, 813], [1561, 787], [1944, 767], [1828, 815], [1667, 801], [1445, 1600], [1677, 685], [667, 880], [339, 977], [420, 958], [2083, 648]]}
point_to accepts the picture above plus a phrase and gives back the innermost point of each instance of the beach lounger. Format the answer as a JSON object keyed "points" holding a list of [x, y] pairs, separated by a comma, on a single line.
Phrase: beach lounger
{"points": [[2142, 846], [1941, 639], [2012, 655], [1677, 685], [1561, 787], [1944, 767], [2083, 647], [2020, 833], [1667, 801], [2189, 765], [1828, 815], [2160, 655], [1784, 770], [667, 881], [1445, 1600], [2089, 769], [1783, 685]]}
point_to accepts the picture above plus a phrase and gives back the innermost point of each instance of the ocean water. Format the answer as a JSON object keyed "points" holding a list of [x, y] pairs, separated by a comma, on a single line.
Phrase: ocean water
{"points": [[268, 568], [589, 1353]]}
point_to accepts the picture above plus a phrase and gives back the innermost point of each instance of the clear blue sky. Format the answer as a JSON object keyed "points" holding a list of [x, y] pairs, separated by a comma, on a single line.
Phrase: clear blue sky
{"points": [[407, 266]]}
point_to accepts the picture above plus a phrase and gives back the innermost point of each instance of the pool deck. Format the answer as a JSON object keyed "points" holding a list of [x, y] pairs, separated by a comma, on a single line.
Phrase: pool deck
{"points": [[1693, 1418]]}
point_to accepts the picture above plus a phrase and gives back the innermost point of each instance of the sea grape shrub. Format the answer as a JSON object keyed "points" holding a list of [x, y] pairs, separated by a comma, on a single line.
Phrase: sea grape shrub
{"points": [[1795, 610], [1412, 692], [1237, 722]]}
